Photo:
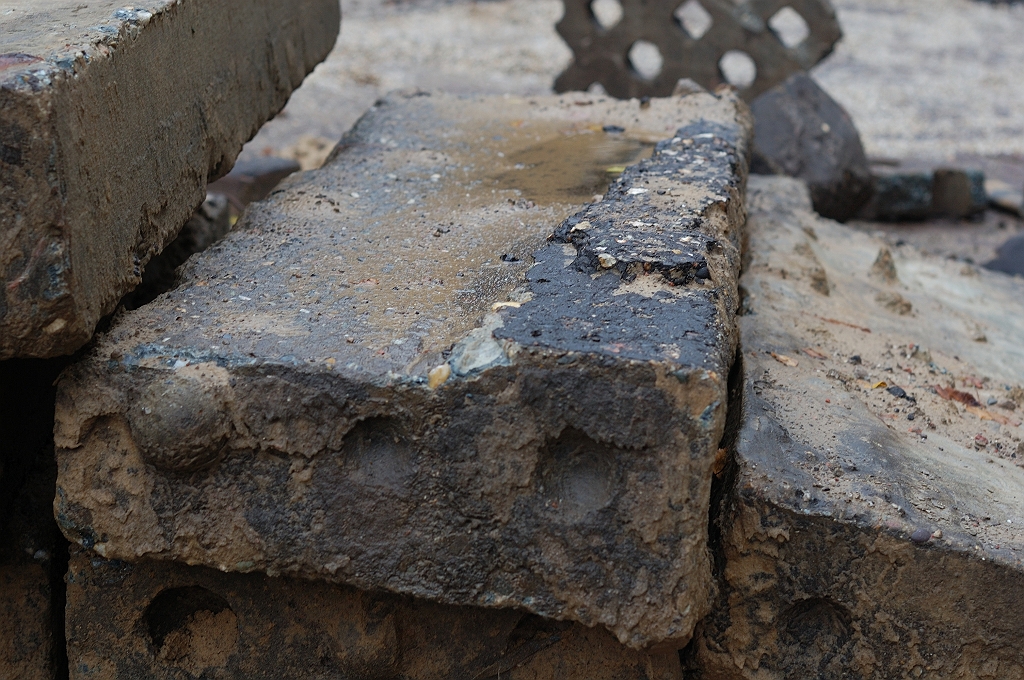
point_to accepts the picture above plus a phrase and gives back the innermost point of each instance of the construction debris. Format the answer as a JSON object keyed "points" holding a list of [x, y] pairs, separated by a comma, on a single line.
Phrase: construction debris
{"points": [[114, 121], [876, 521], [406, 404]]}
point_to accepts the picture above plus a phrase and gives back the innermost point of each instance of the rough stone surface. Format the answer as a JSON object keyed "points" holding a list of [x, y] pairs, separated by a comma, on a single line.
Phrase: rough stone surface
{"points": [[801, 132], [603, 54], [875, 528], [113, 120], [163, 620], [407, 399]]}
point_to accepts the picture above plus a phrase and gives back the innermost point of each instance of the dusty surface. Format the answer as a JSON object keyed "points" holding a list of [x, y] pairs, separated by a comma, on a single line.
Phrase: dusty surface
{"points": [[162, 620], [877, 521], [922, 78], [105, 150], [969, 242], [368, 363]]}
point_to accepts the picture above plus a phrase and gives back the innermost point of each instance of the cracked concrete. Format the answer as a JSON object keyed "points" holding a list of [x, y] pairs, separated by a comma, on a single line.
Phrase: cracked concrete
{"points": [[414, 388]]}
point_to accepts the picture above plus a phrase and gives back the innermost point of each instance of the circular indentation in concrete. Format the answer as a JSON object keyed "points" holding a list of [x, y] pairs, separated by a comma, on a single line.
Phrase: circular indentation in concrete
{"points": [[645, 59], [738, 69], [379, 453], [576, 475], [693, 18], [816, 620], [191, 628], [607, 13]]}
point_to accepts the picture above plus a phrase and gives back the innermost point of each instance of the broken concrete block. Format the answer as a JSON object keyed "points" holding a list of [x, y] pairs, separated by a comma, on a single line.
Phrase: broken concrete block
{"points": [[113, 121], [225, 200], [416, 387], [800, 131], [874, 523], [901, 196], [164, 620]]}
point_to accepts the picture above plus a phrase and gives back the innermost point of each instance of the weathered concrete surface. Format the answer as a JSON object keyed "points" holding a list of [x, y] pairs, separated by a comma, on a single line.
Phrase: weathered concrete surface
{"points": [[800, 131], [875, 526], [113, 120], [163, 620], [561, 465], [226, 198]]}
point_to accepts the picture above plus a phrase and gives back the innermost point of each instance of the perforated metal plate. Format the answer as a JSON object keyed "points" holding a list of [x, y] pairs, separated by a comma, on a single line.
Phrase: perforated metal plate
{"points": [[637, 48]]}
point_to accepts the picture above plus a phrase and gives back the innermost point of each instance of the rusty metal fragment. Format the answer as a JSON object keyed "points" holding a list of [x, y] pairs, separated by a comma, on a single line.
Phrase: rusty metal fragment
{"points": [[697, 39]]}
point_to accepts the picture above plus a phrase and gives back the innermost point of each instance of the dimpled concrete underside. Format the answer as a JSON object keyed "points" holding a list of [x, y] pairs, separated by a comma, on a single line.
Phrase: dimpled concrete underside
{"points": [[112, 121], [424, 369]]}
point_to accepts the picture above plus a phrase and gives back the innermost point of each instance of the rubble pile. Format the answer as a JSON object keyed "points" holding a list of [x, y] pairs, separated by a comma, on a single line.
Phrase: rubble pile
{"points": [[552, 386]]}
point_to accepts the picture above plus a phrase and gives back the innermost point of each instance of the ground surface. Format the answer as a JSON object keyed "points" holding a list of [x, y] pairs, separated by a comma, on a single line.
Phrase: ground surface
{"points": [[921, 78]]}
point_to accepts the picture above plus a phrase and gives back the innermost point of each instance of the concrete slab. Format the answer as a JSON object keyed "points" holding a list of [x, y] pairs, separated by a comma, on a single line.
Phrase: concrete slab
{"points": [[876, 526], [415, 386], [113, 120], [164, 620]]}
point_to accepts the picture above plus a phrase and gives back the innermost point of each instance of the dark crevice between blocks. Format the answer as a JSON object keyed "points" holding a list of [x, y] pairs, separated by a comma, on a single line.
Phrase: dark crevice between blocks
{"points": [[722, 484], [28, 478], [59, 561]]}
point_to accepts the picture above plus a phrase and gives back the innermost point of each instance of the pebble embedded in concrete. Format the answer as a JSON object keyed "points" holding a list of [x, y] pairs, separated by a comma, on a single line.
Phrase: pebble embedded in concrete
{"points": [[425, 390]]}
